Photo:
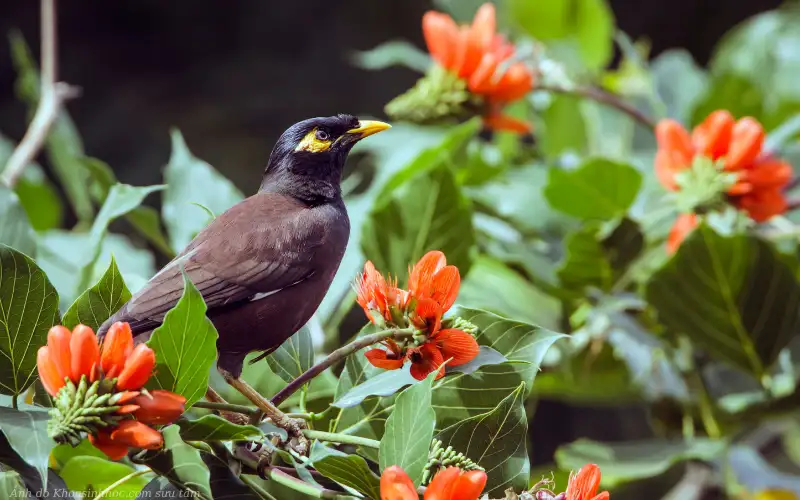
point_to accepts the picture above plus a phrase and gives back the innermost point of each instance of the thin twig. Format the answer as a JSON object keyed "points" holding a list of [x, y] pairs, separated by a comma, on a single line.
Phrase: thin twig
{"points": [[229, 407], [342, 438], [603, 97], [335, 357], [51, 99]]}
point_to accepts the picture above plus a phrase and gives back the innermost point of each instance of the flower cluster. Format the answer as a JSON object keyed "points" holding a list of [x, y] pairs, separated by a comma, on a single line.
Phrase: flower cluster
{"points": [[449, 484], [474, 66], [98, 390], [432, 290], [721, 160]]}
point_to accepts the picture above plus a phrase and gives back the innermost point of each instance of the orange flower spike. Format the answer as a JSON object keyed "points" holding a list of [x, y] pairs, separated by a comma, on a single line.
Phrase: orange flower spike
{"points": [[117, 346], [138, 368], [85, 353], [396, 485], [440, 32], [584, 484], [58, 344], [48, 373], [684, 225], [712, 138], [102, 441], [160, 407], [747, 139], [423, 271], [442, 484], [135, 434], [469, 485], [424, 360], [457, 346]]}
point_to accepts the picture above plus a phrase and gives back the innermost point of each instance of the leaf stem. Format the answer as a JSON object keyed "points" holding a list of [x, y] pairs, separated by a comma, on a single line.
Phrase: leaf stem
{"points": [[603, 97], [121, 481], [14, 402], [337, 356], [342, 438], [285, 479], [208, 405], [253, 485]]}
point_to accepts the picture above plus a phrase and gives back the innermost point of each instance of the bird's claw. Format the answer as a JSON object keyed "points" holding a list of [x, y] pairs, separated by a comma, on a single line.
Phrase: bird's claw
{"points": [[297, 442]]}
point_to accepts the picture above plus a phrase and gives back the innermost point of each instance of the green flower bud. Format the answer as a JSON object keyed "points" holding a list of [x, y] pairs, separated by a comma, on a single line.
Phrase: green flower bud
{"points": [[460, 324], [440, 458], [82, 410], [436, 97]]}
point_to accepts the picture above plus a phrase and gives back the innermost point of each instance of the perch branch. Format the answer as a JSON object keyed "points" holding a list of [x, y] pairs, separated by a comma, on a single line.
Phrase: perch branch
{"points": [[51, 99], [603, 97], [337, 356]]}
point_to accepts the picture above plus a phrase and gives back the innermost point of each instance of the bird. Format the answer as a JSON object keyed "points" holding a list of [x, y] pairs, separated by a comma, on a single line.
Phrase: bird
{"points": [[264, 265]]}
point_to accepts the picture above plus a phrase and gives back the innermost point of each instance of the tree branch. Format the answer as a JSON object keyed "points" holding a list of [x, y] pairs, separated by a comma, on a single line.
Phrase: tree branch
{"points": [[336, 356], [51, 99], [603, 97], [342, 438]]}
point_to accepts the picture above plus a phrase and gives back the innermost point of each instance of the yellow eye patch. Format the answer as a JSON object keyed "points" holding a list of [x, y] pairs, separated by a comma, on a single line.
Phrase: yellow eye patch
{"points": [[313, 144]]}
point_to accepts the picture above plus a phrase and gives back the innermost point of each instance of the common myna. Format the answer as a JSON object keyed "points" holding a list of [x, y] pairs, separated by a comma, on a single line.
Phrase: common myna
{"points": [[264, 265]]}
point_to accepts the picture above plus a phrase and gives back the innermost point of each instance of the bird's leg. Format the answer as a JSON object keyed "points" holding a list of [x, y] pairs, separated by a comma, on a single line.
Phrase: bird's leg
{"points": [[292, 426], [236, 418]]}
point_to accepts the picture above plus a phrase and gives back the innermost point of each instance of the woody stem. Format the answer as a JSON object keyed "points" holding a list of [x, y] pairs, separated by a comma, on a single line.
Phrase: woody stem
{"points": [[339, 355], [603, 97]]}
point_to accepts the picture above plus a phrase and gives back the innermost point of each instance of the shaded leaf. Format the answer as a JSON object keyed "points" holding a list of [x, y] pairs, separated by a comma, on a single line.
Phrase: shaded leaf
{"points": [[216, 428], [294, 356], [191, 180], [185, 346], [147, 222], [224, 483], [585, 263], [63, 453], [497, 442], [26, 432], [11, 485], [98, 303], [92, 474], [599, 189], [486, 357], [384, 384], [15, 229], [160, 487], [409, 430], [564, 126], [28, 308], [352, 471], [392, 53], [40, 199], [755, 473], [735, 296]]}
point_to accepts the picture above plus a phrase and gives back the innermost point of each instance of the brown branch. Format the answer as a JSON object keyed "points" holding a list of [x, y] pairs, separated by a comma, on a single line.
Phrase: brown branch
{"points": [[336, 356], [51, 99], [603, 97]]}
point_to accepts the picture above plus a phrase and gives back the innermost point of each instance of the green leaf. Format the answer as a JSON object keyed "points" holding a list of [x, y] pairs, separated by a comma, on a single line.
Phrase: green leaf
{"points": [[384, 384], [98, 303], [185, 346], [294, 356], [622, 462], [426, 213], [63, 453], [392, 53], [26, 432], [587, 23], [585, 264], [564, 127], [15, 229], [352, 471], [409, 430], [486, 357], [735, 296], [215, 428], [147, 221], [11, 485], [92, 474], [180, 463], [669, 68], [191, 180], [28, 308], [497, 442], [599, 189]]}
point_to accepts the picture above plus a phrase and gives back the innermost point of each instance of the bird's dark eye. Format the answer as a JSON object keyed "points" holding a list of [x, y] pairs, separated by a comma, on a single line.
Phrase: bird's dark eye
{"points": [[323, 135]]}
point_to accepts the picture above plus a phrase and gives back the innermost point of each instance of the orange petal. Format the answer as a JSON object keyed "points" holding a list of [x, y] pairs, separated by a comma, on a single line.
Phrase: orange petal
{"points": [[457, 346], [602, 496], [484, 25], [117, 346], [584, 484], [713, 137], [668, 163], [126, 396], [380, 359], [514, 84], [138, 368], [481, 79], [159, 407], [48, 373], [58, 342], [441, 487], [746, 143], [441, 34], [445, 285], [85, 352], [125, 409], [425, 360], [396, 485], [427, 315], [419, 280], [672, 137], [469, 485], [763, 204], [468, 53], [684, 224], [103, 443], [137, 435], [504, 123], [767, 172]]}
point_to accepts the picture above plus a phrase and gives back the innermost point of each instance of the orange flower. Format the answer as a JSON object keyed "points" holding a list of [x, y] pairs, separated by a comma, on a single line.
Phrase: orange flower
{"points": [[684, 224], [388, 360], [68, 355], [482, 58], [138, 368], [424, 360], [584, 484], [452, 484], [396, 485], [377, 294], [85, 353], [128, 434], [48, 373], [117, 346], [432, 278], [159, 407]]}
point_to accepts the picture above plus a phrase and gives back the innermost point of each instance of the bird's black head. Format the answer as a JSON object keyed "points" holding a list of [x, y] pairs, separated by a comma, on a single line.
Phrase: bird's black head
{"points": [[308, 159]]}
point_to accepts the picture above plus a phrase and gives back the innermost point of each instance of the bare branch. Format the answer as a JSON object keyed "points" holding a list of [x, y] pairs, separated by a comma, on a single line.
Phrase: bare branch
{"points": [[603, 97]]}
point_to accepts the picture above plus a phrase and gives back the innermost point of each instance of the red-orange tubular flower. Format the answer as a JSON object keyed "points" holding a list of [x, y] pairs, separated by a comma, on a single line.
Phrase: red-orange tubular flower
{"points": [[159, 407], [68, 355], [584, 484], [128, 434], [377, 295], [483, 58], [448, 484]]}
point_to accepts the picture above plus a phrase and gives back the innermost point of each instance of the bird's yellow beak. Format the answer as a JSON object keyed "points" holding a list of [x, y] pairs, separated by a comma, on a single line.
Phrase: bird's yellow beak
{"points": [[367, 128]]}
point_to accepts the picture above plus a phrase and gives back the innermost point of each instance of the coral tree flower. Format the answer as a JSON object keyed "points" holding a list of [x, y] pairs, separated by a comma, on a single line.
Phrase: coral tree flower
{"points": [[448, 484], [584, 484], [128, 434], [482, 58]]}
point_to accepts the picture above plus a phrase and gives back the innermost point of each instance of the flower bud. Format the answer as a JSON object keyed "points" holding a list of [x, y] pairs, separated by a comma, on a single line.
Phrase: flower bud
{"points": [[159, 407], [117, 346], [138, 368], [58, 339], [85, 353]]}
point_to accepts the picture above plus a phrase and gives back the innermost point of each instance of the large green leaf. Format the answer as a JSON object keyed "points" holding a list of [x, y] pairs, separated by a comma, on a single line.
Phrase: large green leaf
{"points": [[185, 346], [28, 308], [11, 485], [622, 462], [599, 189], [294, 356], [15, 229], [26, 432], [409, 430], [191, 180], [734, 295], [383, 384], [496, 441], [352, 471], [98, 303], [215, 428], [92, 474], [677, 65], [585, 263], [392, 53], [425, 213], [564, 126]]}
